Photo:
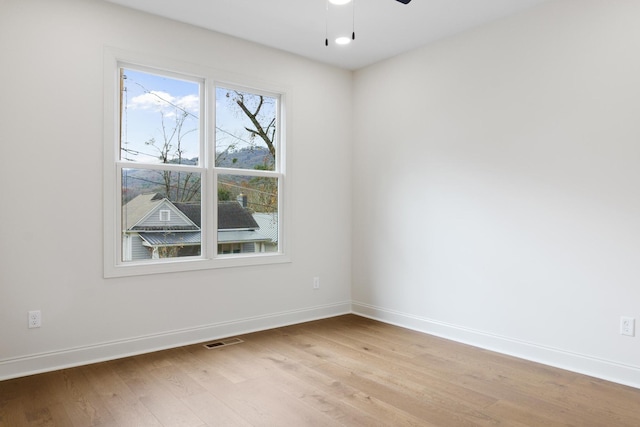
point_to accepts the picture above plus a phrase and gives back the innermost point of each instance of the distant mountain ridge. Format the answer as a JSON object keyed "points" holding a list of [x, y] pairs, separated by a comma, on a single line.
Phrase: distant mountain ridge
{"points": [[140, 181], [245, 158]]}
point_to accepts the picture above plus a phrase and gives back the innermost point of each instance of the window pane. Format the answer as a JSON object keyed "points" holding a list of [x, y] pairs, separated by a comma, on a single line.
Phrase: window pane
{"points": [[245, 130], [159, 119], [247, 214], [155, 225], [175, 186]]}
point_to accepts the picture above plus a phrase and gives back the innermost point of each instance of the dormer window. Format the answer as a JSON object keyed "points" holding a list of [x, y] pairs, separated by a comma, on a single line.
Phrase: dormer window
{"points": [[165, 215]]}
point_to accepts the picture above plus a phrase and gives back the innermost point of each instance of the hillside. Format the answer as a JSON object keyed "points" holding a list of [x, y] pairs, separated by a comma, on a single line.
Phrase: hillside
{"points": [[140, 181]]}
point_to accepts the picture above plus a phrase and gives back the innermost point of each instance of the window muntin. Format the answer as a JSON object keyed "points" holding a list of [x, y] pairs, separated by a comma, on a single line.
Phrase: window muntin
{"points": [[190, 168]]}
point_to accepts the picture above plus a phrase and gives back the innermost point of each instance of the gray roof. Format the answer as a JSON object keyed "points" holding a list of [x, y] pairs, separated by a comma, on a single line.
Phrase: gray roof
{"points": [[194, 238], [232, 216], [172, 239], [268, 223], [193, 211], [238, 236], [139, 206]]}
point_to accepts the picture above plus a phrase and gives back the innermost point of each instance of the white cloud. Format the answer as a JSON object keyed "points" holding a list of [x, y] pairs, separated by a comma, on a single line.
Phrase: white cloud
{"points": [[153, 100], [191, 103], [163, 101]]}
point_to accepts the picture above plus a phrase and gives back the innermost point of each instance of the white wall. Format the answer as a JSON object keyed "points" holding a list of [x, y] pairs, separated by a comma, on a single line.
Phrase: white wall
{"points": [[497, 187], [51, 216]]}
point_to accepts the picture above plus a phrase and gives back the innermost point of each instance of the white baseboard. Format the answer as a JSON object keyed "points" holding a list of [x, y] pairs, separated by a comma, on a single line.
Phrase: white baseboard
{"points": [[61, 359], [580, 363], [67, 358]]}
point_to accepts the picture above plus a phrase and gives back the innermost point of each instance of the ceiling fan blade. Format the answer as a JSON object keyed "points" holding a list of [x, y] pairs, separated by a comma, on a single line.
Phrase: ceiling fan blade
{"points": [[404, 1]]}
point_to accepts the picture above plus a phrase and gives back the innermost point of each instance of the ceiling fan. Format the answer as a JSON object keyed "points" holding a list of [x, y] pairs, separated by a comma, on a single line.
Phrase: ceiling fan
{"points": [[346, 40]]}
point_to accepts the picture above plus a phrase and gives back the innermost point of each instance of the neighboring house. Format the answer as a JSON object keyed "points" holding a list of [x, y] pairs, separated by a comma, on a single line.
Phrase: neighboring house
{"points": [[155, 227], [268, 223], [238, 231]]}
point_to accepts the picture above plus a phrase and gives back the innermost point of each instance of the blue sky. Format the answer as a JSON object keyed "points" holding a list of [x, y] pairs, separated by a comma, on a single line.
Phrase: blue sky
{"points": [[150, 101]]}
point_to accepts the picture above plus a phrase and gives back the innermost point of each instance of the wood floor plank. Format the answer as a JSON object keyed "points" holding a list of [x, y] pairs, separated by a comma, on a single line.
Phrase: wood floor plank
{"points": [[342, 402], [176, 381], [383, 391], [232, 363], [401, 366], [82, 405], [420, 389], [154, 393], [391, 380], [213, 411], [310, 392], [43, 411], [288, 343], [12, 401], [307, 388], [342, 371], [125, 408], [262, 404], [172, 412], [526, 415], [529, 385], [194, 362]]}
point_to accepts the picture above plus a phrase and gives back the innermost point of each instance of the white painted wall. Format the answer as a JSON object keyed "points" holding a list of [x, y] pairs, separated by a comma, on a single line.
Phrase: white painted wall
{"points": [[497, 187], [51, 216]]}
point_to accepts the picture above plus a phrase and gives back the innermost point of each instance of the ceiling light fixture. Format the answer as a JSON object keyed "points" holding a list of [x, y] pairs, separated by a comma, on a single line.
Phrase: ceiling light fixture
{"points": [[344, 40], [340, 40]]}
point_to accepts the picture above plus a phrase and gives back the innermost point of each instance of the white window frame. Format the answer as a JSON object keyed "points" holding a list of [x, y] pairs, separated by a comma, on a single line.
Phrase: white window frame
{"points": [[209, 259]]}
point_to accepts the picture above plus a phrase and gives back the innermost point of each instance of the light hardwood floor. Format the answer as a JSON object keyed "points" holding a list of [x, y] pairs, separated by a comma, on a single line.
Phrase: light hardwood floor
{"points": [[347, 371]]}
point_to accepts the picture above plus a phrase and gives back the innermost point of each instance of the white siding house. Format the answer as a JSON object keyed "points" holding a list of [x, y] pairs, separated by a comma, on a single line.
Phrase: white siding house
{"points": [[154, 228]]}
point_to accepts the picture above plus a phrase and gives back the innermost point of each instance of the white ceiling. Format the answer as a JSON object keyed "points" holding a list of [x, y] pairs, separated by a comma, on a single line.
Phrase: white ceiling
{"points": [[384, 28]]}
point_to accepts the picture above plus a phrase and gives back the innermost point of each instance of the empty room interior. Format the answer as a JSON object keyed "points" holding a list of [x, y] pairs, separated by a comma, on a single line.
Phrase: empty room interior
{"points": [[471, 183]]}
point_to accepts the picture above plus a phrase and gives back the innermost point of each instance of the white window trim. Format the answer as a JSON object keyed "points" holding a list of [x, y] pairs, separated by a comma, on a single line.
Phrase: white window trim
{"points": [[113, 267]]}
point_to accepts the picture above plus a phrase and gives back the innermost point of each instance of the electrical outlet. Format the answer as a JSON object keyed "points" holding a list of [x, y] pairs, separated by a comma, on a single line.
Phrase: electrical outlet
{"points": [[35, 319], [316, 283], [628, 326]]}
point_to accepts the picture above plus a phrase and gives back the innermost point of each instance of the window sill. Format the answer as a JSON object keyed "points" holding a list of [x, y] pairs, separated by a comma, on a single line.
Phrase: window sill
{"points": [[192, 264]]}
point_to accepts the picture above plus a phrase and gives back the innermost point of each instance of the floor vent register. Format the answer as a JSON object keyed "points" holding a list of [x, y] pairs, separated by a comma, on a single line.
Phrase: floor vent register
{"points": [[222, 343]]}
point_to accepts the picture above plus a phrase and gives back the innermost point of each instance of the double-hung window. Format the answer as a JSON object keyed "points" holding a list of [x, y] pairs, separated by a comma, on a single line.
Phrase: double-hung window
{"points": [[194, 170]]}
